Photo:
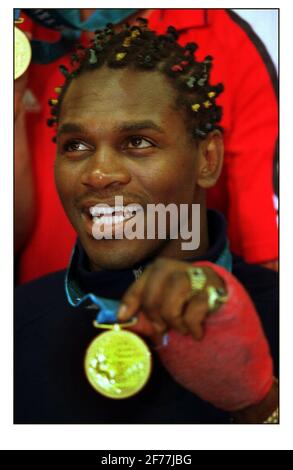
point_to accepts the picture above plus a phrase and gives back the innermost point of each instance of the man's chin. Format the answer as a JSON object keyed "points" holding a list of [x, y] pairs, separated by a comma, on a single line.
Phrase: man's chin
{"points": [[118, 254], [113, 261]]}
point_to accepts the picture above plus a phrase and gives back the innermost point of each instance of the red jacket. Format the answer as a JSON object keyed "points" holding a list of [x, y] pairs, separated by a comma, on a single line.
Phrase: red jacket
{"points": [[244, 191]]}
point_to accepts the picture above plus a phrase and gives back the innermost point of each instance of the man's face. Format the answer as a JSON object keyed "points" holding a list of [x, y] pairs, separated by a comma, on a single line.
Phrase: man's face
{"points": [[119, 135]]}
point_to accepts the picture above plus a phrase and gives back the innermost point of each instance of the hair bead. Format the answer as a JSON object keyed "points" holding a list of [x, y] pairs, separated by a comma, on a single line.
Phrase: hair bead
{"points": [[52, 102], [208, 126], [202, 81], [195, 107], [191, 47], [120, 55], [51, 122], [177, 68], [127, 42], [199, 133], [207, 104], [64, 70], [92, 57]]}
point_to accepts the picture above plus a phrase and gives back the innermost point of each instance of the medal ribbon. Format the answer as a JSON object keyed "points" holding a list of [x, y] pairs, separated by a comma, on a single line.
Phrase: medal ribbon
{"points": [[16, 14], [108, 308]]}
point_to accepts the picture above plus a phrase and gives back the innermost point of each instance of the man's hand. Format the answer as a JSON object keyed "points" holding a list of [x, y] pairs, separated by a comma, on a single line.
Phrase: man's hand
{"points": [[231, 367], [165, 300]]}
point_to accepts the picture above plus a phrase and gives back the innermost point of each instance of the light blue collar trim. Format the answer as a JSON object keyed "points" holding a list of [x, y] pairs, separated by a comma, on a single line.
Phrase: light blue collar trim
{"points": [[108, 308]]}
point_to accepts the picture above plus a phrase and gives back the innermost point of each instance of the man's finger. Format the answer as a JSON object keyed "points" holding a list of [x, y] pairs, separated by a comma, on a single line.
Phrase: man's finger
{"points": [[153, 297], [131, 300], [194, 315], [145, 293], [175, 296], [145, 327]]}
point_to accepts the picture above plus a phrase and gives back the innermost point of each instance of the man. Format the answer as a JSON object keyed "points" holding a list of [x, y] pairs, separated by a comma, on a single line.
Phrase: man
{"points": [[138, 118]]}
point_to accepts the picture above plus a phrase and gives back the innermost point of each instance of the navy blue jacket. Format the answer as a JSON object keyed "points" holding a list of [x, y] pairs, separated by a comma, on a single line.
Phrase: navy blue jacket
{"points": [[51, 338]]}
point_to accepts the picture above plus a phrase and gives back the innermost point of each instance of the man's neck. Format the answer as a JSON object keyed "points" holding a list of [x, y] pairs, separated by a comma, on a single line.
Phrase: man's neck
{"points": [[174, 249]]}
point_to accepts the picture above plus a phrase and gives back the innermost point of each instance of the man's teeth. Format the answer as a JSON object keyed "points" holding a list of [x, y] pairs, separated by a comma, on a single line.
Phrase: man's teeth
{"points": [[116, 219], [112, 215], [98, 211]]}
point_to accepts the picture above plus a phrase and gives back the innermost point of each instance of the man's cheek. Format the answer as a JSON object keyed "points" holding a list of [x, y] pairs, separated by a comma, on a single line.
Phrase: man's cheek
{"points": [[63, 182], [157, 186], [57, 176]]}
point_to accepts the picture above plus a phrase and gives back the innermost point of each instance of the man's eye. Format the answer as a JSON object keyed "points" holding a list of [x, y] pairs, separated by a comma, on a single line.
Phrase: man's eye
{"points": [[75, 146], [138, 142]]}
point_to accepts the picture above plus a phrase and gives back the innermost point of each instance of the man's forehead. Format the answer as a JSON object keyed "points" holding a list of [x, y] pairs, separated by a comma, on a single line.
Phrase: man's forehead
{"points": [[122, 126], [113, 87], [120, 100]]}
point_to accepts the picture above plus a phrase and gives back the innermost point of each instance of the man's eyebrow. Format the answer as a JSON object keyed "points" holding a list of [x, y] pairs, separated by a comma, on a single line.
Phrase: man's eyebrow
{"points": [[139, 125], [70, 127]]}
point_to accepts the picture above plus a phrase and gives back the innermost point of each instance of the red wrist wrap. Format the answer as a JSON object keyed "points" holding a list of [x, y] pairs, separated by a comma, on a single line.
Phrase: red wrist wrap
{"points": [[231, 367]]}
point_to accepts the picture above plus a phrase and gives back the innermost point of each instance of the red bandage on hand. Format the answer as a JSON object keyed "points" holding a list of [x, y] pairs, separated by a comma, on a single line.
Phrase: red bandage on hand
{"points": [[231, 367]]}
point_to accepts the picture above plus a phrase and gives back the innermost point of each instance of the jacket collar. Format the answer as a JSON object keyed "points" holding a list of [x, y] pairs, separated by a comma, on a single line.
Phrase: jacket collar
{"points": [[102, 290]]}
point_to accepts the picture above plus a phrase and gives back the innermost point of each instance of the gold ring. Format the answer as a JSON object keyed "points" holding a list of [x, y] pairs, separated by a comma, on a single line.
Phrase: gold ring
{"points": [[197, 278]]}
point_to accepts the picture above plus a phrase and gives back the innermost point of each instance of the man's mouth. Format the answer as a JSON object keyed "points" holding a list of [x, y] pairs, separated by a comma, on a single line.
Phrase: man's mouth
{"points": [[110, 219], [112, 215]]}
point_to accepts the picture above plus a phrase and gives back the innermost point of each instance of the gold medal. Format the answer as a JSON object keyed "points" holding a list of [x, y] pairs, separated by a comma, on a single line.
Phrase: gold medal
{"points": [[117, 363], [22, 53]]}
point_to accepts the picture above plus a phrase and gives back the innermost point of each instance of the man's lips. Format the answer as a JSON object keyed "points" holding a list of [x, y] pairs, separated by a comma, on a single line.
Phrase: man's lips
{"points": [[110, 217], [101, 211]]}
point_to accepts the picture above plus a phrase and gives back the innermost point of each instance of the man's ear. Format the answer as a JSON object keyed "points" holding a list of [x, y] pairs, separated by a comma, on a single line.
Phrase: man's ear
{"points": [[211, 153]]}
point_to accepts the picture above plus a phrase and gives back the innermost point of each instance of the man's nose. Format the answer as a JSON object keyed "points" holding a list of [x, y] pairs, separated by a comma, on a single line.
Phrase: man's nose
{"points": [[105, 168]]}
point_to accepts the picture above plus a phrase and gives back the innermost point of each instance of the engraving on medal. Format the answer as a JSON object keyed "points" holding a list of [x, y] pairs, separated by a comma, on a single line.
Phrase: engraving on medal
{"points": [[22, 53], [118, 364]]}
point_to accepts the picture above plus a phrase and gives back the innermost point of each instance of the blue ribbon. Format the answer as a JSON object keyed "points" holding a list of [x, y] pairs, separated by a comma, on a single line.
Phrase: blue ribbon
{"points": [[225, 259], [108, 308], [16, 13]]}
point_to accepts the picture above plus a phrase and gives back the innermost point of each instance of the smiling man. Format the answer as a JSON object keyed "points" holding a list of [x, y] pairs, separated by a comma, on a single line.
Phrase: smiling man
{"points": [[144, 153], [137, 119]]}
